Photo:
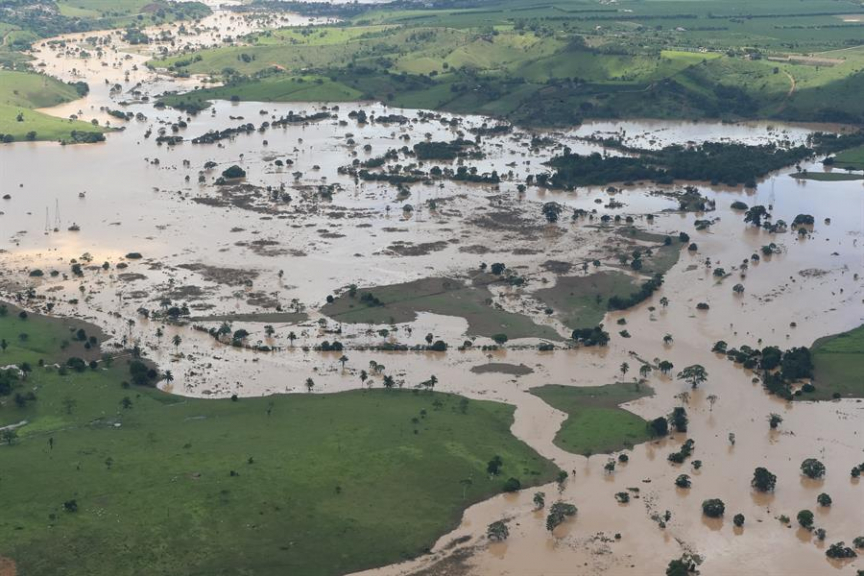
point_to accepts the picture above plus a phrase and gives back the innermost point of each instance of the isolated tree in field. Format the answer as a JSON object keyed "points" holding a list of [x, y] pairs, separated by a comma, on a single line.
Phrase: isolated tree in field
{"points": [[291, 337], [824, 500], [664, 301], [774, 420], [493, 467], [126, 403], [667, 339], [645, 370], [310, 384], [169, 377], [69, 404], [363, 377], [665, 367], [4, 344], [763, 480], [813, 468], [738, 520], [624, 368], [269, 330], [9, 436], [389, 382], [342, 360], [693, 375], [176, 340], [551, 211], [682, 481]]}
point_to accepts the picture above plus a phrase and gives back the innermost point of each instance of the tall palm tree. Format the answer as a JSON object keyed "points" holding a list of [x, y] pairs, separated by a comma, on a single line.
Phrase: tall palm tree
{"points": [[291, 337], [310, 384], [176, 340], [389, 382], [169, 377], [343, 359], [664, 302], [645, 370], [624, 368]]}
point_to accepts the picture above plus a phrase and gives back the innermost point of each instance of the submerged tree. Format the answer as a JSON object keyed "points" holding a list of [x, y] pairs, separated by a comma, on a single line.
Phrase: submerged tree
{"points": [[558, 513], [813, 468], [763, 480], [551, 211], [497, 531], [693, 375]]}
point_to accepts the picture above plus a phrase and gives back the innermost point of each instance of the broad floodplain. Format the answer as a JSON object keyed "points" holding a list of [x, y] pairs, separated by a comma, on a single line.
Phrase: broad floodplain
{"points": [[306, 250]]}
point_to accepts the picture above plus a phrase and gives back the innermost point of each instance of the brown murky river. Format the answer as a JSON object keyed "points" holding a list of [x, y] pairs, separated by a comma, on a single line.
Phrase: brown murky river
{"points": [[224, 254]]}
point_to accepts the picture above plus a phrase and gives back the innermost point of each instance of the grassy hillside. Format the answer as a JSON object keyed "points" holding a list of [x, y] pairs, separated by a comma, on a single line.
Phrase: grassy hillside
{"points": [[20, 92], [839, 366], [126, 480], [38, 126], [558, 64], [33, 90], [595, 424]]}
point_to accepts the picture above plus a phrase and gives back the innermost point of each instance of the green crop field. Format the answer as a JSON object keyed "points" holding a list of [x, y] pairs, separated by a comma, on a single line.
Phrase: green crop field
{"points": [[839, 366], [127, 480], [595, 424]]}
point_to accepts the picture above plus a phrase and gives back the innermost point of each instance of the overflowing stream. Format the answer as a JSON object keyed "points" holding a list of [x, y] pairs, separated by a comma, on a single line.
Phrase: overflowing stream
{"points": [[244, 253]]}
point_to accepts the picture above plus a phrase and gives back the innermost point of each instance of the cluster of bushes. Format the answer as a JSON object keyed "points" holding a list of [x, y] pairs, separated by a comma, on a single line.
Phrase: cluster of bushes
{"points": [[682, 454], [645, 291], [443, 150], [214, 136], [780, 368], [141, 374], [595, 336], [718, 162], [78, 137], [327, 346]]}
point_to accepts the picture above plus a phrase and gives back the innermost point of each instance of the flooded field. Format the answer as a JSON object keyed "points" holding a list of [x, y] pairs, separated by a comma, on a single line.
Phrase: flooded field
{"points": [[269, 249]]}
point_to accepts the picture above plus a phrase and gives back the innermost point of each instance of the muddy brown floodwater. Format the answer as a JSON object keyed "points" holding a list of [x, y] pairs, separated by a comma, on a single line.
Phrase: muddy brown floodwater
{"points": [[236, 251]]}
